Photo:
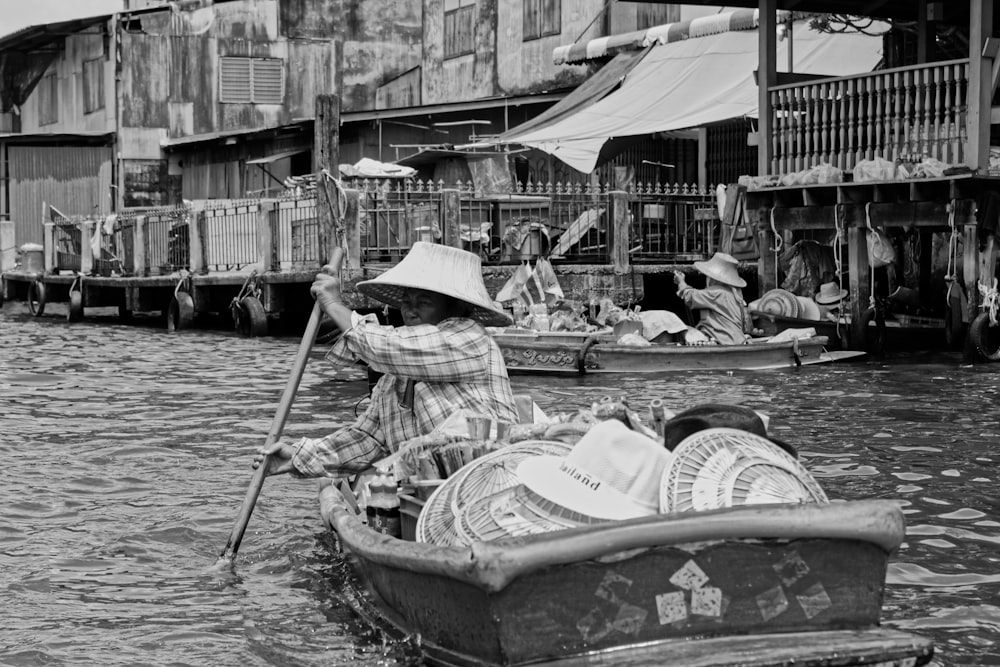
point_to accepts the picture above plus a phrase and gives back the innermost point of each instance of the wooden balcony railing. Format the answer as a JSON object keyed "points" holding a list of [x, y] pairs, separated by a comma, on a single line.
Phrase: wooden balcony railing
{"points": [[905, 113]]}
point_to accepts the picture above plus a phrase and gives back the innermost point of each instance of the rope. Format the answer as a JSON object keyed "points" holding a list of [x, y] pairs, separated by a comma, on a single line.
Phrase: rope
{"points": [[340, 210], [991, 301], [838, 256], [949, 276], [871, 267], [779, 243]]}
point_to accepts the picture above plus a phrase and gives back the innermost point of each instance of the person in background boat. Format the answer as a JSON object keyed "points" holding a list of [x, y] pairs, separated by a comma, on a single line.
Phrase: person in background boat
{"points": [[723, 314], [831, 300], [440, 362]]}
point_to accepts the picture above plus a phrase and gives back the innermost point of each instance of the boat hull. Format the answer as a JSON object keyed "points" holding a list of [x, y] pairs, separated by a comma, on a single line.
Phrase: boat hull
{"points": [[655, 588], [532, 354]]}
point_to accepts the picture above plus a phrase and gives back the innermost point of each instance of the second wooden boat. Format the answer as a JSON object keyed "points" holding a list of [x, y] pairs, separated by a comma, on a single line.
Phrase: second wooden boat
{"points": [[567, 353]]}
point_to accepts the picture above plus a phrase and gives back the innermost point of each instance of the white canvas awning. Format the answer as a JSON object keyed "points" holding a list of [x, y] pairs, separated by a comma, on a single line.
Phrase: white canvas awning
{"points": [[688, 84]]}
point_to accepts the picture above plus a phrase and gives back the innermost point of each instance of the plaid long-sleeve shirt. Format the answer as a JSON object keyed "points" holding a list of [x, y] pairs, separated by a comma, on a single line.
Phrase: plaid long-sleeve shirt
{"points": [[455, 365]]}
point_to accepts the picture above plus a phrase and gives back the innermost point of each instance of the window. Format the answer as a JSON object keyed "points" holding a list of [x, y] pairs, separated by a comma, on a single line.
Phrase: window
{"points": [[459, 22], [251, 80], [48, 100], [93, 85], [542, 18]]}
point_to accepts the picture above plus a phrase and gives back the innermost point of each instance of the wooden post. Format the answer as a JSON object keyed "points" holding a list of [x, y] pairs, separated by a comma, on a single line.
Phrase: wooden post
{"points": [[8, 251], [326, 158], [196, 242], [352, 229], [619, 232], [86, 250], [859, 284], [767, 76], [139, 267], [766, 265], [49, 245], [703, 158], [980, 90], [451, 217], [970, 268], [267, 222]]}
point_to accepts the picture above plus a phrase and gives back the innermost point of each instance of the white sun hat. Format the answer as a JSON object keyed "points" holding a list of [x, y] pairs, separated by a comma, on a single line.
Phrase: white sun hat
{"points": [[612, 473], [442, 269]]}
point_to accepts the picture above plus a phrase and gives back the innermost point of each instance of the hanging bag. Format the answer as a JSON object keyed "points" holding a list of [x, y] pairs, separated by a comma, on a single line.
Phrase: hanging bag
{"points": [[739, 238]]}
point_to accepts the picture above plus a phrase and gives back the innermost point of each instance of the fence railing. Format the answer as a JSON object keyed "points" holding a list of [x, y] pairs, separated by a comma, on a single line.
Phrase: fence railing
{"points": [[568, 224], [903, 113]]}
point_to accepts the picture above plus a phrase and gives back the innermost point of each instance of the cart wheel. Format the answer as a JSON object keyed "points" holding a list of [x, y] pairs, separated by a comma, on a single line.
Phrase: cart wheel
{"points": [[985, 338], [75, 311], [251, 320], [36, 297], [181, 312]]}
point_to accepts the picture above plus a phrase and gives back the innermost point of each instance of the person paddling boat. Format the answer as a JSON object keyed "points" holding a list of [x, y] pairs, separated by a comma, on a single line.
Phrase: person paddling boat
{"points": [[441, 361]]}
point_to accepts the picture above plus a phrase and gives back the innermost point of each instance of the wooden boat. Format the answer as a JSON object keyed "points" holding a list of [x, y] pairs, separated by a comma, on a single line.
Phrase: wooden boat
{"points": [[899, 332], [528, 352], [754, 585]]}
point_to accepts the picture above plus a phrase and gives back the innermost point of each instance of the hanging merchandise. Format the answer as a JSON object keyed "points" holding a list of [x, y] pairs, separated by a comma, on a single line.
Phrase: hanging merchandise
{"points": [[880, 250], [739, 238]]}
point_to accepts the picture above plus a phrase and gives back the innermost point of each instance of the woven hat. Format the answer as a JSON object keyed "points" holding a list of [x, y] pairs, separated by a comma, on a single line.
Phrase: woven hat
{"points": [[442, 269], [830, 293], [779, 302], [717, 415], [722, 267], [723, 467], [481, 477], [808, 310], [515, 512]]}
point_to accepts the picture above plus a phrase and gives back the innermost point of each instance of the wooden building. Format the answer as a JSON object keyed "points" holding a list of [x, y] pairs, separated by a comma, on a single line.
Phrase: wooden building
{"points": [[928, 113]]}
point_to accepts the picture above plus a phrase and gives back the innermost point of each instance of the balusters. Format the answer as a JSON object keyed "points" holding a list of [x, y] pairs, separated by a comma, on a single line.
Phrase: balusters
{"points": [[841, 160], [908, 112], [825, 134], [928, 115], [869, 87], [883, 146], [940, 150], [897, 114]]}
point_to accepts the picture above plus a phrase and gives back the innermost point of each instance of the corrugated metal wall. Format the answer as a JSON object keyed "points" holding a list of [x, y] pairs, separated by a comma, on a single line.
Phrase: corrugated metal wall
{"points": [[76, 180]]}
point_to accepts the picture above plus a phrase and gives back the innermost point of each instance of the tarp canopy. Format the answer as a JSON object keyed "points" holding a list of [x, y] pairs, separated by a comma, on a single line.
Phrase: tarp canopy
{"points": [[688, 84]]}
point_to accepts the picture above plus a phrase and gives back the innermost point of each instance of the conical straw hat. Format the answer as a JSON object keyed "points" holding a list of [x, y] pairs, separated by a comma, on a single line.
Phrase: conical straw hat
{"points": [[442, 269], [722, 267], [723, 467]]}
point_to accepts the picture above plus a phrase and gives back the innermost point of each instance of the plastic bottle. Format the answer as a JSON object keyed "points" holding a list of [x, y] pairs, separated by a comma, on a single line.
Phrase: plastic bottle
{"points": [[383, 507]]}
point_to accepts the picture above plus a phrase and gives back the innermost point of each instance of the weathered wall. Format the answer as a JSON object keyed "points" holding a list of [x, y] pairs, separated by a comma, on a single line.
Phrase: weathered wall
{"points": [[170, 64], [68, 69], [382, 41], [466, 77]]}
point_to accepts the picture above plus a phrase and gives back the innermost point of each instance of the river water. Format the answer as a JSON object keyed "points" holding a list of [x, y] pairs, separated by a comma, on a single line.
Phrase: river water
{"points": [[126, 454]]}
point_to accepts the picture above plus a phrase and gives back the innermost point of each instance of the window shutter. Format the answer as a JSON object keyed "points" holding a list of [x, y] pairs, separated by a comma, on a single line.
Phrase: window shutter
{"points": [[268, 81], [234, 81]]}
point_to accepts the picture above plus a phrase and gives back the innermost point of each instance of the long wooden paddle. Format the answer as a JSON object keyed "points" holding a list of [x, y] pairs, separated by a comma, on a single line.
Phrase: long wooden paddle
{"points": [[278, 423]]}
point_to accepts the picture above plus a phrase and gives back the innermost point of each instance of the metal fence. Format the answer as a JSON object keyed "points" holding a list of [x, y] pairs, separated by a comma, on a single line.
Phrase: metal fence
{"points": [[230, 234], [295, 241], [166, 240], [678, 223], [569, 223]]}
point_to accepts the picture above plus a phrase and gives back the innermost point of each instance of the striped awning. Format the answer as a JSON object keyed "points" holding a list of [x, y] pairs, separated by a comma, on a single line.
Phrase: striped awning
{"points": [[740, 19]]}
